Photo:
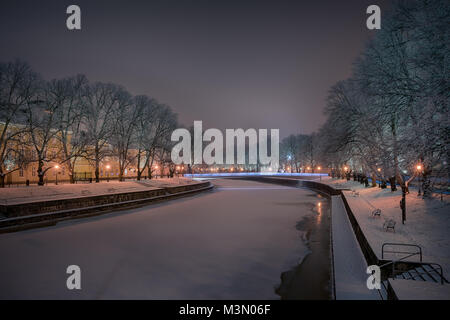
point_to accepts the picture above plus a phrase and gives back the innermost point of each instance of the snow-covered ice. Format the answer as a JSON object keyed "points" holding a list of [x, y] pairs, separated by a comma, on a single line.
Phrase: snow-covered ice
{"points": [[231, 243]]}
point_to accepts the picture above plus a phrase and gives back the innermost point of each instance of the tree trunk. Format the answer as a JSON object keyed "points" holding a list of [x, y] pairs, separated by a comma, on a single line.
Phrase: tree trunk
{"points": [[2, 180], [139, 172], [403, 204], [97, 164], [40, 173], [97, 171], [374, 180], [426, 183], [70, 172]]}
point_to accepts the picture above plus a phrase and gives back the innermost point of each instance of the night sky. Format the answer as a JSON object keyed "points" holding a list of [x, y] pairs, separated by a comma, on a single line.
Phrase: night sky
{"points": [[232, 64]]}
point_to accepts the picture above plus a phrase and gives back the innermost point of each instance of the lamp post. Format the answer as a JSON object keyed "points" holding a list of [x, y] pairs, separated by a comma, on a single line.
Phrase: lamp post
{"points": [[419, 168], [107, 171], [379, 171], [320, 176], [56, 180]]}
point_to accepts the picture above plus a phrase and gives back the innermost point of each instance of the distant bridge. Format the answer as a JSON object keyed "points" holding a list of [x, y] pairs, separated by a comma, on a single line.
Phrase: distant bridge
{"points": [[247, 174]]}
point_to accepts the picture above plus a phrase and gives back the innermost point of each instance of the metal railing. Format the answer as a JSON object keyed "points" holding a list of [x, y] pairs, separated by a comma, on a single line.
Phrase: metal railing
{"points": [[415, 265], [409, 254]]}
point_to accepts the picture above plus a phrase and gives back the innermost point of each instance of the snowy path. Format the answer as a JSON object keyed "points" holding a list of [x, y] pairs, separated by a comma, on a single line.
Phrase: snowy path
{"points": [[349, 263], [232, 243]]}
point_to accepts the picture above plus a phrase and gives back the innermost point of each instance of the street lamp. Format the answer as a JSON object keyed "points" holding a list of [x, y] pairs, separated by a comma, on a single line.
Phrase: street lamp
{"points": [[419, 168], [107, 170], [56, 181], [379, 184], [346, 175], [320, 176]]}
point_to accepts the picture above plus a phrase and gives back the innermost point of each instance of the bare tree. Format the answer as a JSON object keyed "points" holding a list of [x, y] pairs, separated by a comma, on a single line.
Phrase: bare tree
{"points": [[99, 101], [125, 112], [18, 88], [42, 125], [71, 136]]}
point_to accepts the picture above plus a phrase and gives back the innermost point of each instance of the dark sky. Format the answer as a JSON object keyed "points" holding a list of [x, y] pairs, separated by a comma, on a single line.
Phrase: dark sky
{"points": [[232, 64]]}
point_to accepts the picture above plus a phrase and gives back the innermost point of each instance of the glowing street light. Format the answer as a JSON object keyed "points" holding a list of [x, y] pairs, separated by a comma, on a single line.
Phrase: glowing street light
{"points": [[320, 176], [419, 168], [107, 171], [56, 167]]}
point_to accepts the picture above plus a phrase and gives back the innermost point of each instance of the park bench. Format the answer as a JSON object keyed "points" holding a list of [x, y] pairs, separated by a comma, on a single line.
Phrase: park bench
{"points": [[389, 224], [376, 213]]}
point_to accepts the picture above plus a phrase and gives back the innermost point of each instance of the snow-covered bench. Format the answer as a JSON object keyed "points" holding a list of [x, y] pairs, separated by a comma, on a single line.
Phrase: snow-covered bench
{"points": [[376, 213], [389, 224]]}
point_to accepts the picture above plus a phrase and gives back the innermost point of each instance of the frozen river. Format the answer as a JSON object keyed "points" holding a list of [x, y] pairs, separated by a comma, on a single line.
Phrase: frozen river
{"points": [[230, 243]]}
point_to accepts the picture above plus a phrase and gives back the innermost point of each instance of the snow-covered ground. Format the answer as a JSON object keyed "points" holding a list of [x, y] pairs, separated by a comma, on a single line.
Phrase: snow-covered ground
{"points": [[231, 243], [24, 194], [427, 220], [419, 290]]}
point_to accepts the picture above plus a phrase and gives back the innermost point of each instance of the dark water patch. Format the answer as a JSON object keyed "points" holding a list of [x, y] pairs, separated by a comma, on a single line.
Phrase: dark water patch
{"points": [[310, 280]]}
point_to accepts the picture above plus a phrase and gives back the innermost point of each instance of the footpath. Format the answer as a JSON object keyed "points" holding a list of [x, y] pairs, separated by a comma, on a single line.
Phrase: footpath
{"points": [[358, 240], [34, 206]]}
